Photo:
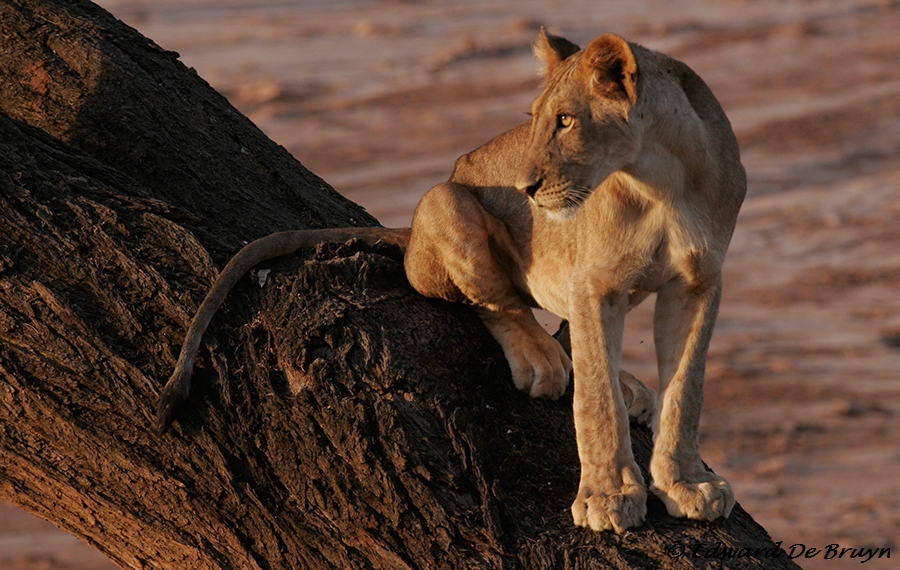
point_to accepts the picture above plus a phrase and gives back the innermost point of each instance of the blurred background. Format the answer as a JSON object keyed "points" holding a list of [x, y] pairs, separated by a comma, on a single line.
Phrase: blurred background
{"points": [[380, 97]]}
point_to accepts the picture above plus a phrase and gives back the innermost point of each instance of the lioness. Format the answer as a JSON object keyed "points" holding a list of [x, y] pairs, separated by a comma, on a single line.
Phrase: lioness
{"points": [[626, 181]]}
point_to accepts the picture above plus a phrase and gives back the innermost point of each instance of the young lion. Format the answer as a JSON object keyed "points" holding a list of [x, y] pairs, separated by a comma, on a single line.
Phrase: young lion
{"points": [[626, 181]]}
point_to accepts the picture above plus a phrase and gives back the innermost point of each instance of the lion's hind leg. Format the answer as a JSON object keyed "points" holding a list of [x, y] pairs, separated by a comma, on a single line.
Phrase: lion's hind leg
{"points": [[640, 399], [460, 252]]}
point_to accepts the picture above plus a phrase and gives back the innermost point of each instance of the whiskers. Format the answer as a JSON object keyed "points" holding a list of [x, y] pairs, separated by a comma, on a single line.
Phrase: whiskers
{"points": [[566, 202], [576, 196]]}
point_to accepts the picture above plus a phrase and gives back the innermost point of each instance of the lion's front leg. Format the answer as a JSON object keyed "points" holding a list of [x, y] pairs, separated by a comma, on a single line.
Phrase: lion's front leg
{"points": [[683, 325], [611, 493], [537, 362], [454, 253], [640, 400]]}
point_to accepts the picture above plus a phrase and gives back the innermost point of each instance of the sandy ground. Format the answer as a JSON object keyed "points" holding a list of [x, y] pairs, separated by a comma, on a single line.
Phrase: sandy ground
{"points": [[802, 395]]}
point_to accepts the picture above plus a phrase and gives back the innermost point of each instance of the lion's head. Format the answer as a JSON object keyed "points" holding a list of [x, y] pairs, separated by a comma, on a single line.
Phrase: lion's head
{"points": [[582, 129]]}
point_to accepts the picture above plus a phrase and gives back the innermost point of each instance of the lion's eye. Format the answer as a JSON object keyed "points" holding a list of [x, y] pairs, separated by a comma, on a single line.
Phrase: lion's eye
{"points": [[564, 121]]}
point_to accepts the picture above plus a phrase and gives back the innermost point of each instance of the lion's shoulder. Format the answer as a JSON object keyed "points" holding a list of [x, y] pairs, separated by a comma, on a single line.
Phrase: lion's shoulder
{"points": [[663, 74], [495, 162]]}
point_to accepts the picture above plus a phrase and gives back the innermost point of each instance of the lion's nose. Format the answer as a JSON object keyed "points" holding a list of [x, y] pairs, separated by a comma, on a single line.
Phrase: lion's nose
{"points": [[529, 186]]}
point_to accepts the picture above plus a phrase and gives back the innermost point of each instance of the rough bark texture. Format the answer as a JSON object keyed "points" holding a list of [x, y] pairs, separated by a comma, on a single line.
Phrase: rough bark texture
{"points": [[339, 421]]}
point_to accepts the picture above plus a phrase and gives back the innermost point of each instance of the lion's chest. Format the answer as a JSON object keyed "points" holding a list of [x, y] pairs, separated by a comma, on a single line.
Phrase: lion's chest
{"points": [[618, 245]]}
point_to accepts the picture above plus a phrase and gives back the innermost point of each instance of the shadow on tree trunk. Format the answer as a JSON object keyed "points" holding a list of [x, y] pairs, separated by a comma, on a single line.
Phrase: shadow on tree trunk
{"points": [[339, 419]]}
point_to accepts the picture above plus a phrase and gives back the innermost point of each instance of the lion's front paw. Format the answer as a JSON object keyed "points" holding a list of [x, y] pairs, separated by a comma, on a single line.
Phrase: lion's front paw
{"points": [[702, 500], [617, 511], [539, 365]]}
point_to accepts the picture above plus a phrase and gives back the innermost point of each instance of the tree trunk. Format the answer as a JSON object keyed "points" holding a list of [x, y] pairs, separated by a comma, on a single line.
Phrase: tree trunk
{"points": [[339, 421]]}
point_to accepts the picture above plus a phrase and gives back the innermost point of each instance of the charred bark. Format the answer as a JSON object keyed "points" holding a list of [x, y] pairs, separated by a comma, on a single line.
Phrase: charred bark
{"points": [[339, 421]]}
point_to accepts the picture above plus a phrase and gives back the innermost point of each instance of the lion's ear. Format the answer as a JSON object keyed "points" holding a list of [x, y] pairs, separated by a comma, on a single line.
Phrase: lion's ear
{"points": [[552, 49], [611, 68]]}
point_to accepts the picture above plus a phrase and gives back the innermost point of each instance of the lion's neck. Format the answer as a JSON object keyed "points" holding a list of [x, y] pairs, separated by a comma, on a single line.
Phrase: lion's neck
{"points": [[671, 161]]}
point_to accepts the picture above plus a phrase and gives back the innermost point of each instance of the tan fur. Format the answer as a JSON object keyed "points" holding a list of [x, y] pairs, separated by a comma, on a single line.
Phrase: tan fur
{"points": [[626, 181]]}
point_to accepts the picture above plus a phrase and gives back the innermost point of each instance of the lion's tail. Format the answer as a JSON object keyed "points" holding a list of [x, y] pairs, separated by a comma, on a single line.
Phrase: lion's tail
{"points": [[269, 247]]}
